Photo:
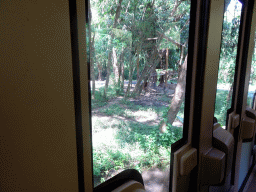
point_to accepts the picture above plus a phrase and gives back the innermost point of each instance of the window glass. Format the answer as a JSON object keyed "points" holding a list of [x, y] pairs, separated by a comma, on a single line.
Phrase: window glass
{"points": [[230, 33], [252, 82], [138, 60]]}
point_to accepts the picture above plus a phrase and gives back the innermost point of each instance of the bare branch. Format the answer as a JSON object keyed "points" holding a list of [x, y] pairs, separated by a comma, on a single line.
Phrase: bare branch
{"points": [[184, 25], [171, 40], [118, 10], [154, 38], [127, 7], [178, 17], [177, 3]]}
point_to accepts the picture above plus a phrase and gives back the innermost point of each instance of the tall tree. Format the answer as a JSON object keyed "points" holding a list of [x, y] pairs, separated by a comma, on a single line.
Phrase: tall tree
{"points": [[121, 69], [92, 51], [117, 14], [154, 25], [179, 93], [115, 65]]}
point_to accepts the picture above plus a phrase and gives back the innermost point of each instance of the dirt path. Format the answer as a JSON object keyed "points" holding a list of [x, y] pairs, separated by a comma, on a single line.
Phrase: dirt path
{"points": [[156, 180]]}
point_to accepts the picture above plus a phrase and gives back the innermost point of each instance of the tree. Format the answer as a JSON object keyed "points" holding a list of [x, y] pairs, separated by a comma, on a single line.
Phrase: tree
{"points": [[154, 25], [230, 33], [117, 14], [92, 51], [179, 93]]}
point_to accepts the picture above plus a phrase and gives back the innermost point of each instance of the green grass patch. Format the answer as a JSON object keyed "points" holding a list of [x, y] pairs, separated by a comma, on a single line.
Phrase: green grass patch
{"points": [[100, 100], [110, 159], [114, 109], [137, 145], [148, 137], [221, 106]]}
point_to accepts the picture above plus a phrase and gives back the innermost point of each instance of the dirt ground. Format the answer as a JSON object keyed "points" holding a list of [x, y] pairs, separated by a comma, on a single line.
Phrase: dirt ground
{"points": [[156, 180]]}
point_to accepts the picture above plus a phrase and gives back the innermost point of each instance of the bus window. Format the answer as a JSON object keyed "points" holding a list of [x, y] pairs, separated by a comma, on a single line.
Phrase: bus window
{"points": [[230, 33], [138, 61], [252, 85]]}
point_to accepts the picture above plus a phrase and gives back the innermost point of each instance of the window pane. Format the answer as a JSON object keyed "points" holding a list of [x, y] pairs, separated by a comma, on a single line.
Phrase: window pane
{"points": [[230, 33], [252, 83], [138, 57]]}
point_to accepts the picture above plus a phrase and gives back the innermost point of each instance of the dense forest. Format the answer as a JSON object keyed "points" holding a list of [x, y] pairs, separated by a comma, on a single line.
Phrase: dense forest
{"points": [[138, 52], [131, 39]]}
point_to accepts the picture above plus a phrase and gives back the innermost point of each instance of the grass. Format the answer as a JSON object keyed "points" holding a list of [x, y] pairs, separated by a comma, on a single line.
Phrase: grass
{"points": [[148, 137], [114, 109], [125, 135], [137, 146], [131, 142], [99, 99], [221, 105]]}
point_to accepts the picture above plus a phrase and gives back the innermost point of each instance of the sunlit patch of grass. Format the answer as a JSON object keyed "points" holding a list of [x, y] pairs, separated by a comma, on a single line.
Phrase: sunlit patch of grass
{"points": [[121, 144], [144, 116], [123, 138]]}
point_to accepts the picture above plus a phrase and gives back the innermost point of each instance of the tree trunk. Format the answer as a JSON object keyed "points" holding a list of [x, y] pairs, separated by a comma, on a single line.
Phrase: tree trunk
{"points": [[91, 46], [179, 93], [122, 75], [100, 72], [149, 67], [153, 63], [166, 66], [181, 61], [92, 65], [131, 70], [121, 70], [115, 67], [108, 72], [138, 64], [150, 46], [118, 11], [138, 84], [153, 78], [230, 93]]}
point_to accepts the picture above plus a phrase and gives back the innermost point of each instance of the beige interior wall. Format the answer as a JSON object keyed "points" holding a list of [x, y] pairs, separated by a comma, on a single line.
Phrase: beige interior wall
{"points": [[37, 137]]}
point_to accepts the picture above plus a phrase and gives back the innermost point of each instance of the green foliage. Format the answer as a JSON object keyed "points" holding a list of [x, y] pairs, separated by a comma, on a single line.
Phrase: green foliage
{"points": [[99, 99], [147, 146], [114, 109], [249, 98], [230, 33], [138, 21], [110, 159], [221, 106], [253, 65], [148, 137]]}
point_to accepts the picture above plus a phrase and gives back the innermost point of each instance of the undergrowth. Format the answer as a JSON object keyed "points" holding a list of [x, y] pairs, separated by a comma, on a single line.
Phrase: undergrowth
{"points": [[138, 145]]}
